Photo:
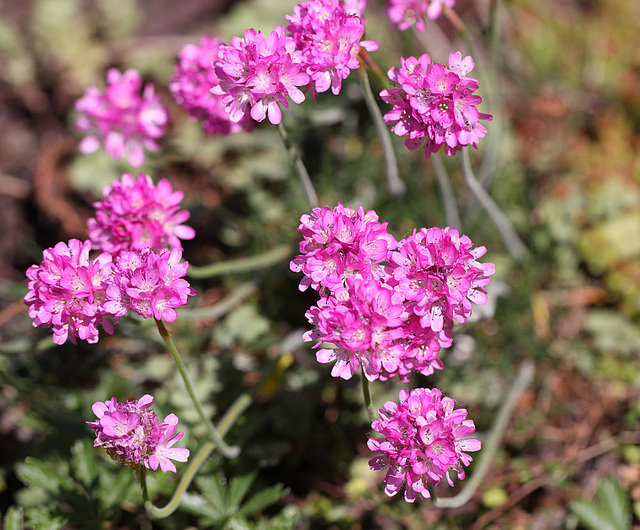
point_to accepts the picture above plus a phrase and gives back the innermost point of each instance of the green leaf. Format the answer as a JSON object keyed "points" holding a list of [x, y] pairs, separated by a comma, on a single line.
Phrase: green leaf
{"points": [[262, 499], [616, 501], [213, 488], [41, 519], [238, 488], [592, 515], [83, 462], [198, 505], [118, 489], [14, 519], [34, 472]]}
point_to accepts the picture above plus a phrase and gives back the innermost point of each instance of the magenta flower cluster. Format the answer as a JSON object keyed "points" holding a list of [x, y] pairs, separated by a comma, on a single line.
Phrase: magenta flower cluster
{"points": [[435, 105], [415, 13], [67, 292], [258, 74], [132, 434], [329, 39], [136, 214], [191, 87], [74, 294], [122, 118], [385, 306], [424, 438]]}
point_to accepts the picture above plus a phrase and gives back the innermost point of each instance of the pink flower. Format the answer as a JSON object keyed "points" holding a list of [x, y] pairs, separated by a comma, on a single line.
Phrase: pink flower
{"points": [[132, 435], [148, 283], [191, 87], [136, 214], [124, 120], [423, 440], [435, 104], [67, 292], [408, 13], [257, 74], [328, 39]]}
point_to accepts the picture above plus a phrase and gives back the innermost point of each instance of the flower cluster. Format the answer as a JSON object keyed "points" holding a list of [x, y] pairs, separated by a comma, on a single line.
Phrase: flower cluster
{"points": [[385, 306], [435, 105], [122, 118], [149, 284], [132, 434], [259, 73], [329, 39], [67, 291], [423, 440], [136, 214], [415, 13], [191, 87], [75, 294]]}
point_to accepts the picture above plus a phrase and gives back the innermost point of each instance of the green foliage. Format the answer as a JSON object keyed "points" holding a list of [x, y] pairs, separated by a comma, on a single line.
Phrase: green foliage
{"points": [[611, 511]]}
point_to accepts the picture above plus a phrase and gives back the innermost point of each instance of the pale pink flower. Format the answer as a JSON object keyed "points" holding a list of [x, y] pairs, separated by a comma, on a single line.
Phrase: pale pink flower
{"points": [[415, 13]]}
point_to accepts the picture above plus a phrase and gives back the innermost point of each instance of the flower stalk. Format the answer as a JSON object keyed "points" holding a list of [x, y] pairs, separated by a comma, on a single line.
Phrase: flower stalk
{"points": [[303, 174], [216, 438]]}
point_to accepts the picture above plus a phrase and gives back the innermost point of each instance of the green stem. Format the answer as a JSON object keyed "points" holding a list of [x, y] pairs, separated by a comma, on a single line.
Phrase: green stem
{"points": [[367, 397], [522, 381], [303, 175], [227, 421], [446, 190], [235, 297], [229, 452], [395, 184], [515, 246], [235, 266]]}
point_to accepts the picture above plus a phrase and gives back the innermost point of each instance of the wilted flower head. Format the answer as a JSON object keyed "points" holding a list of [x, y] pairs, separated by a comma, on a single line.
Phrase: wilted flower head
{"points": [[122, 118], [409, 13], [435, 105], [424, 438], [132, 434], [259, 73], [136, 214], [191, 87], [67, 291], [150, 284], [328, 38]]}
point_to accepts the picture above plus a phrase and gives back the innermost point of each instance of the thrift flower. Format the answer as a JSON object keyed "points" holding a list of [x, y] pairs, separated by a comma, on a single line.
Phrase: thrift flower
{"points": [[424, 438], [126, 121], [191, 87], [409, 13], [148, 283], [67, 292], [328, 38], [435, 105], [132, 434], [136, 214], [257, 74]]}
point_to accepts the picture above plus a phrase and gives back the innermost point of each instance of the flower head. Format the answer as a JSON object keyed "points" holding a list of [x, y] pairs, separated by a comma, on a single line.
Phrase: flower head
{"points": [[136, 214], [409, 13], [257, 74], [328, 38], [435, 105], [125, 120], [67, 292], [191, 87], [132, 434], [424, 438], [150, 284]]}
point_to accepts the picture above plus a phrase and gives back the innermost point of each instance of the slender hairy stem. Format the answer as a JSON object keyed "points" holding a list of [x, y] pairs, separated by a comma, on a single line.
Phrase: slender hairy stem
{"points": [[515, 246], [236, 266], [446, 190], [489, 448], [229, 452], [395, 184], [294, 155], [227, 421], [367, 397]]}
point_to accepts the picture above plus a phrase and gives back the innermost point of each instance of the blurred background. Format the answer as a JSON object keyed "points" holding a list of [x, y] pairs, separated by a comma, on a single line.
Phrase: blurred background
{"points": [[562, 159]]}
